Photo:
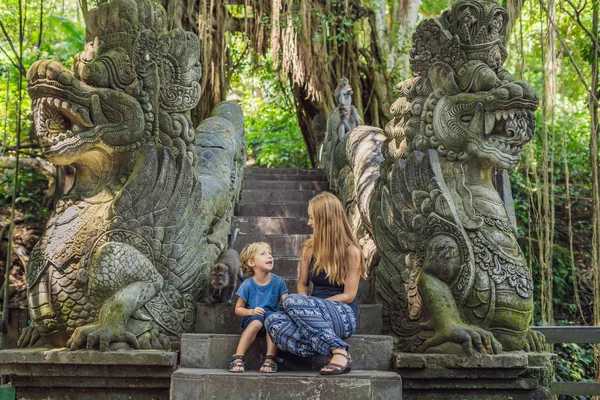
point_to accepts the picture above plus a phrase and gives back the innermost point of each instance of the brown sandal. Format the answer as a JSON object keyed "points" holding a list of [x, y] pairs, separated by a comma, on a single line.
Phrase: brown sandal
{"points": [[270, 364], [235, 362], [337, 369]]}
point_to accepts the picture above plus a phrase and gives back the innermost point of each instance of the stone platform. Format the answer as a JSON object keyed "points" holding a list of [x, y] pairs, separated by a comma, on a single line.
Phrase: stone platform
{"points": [[209, 351], [515, 376], [204, 384], [60, 374]]}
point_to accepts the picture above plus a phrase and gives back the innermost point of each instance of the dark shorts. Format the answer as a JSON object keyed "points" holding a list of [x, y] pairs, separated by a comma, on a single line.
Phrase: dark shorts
{"points": [[246, 321]]}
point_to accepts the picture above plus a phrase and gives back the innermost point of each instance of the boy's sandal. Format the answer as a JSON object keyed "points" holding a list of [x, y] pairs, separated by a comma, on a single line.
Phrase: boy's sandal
{"points": [[337, 369], [235, 362], [270, 364]]}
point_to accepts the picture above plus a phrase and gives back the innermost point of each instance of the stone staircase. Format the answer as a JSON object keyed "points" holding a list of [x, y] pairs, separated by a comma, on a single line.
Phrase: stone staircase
{"points": [[273, 208]]}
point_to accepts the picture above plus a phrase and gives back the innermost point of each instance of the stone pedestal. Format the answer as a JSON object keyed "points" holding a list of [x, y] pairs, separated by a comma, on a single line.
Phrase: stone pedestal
{"points": [[88, 375], [515, 376]]}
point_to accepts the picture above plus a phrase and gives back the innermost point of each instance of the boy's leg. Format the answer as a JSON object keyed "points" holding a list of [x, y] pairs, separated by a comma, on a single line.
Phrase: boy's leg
{"points": [[271, 348], [271, 351], [247, 338]]}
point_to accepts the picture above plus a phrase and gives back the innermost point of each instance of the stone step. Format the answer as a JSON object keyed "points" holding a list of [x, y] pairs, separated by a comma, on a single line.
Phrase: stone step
{"points": [[271, 225], [284, 177], [277, 196], [209, 351], [296, 210], [285, 185], [41, 374], [221, 318], [288, 171], [219, 384], [282, 245]]}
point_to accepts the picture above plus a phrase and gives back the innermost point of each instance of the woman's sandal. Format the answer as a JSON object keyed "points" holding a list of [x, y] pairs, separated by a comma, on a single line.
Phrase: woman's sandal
{"points": [[235, 362], [270, 362], [337, 369]]}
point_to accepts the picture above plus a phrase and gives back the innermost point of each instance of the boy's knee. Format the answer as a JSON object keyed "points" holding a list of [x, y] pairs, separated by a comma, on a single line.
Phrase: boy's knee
{"points": [[255, 325]]}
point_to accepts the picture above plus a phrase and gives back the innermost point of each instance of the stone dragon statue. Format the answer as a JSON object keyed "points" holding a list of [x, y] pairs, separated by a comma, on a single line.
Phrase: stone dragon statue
{"points": [[452, 278], [126, 252]]}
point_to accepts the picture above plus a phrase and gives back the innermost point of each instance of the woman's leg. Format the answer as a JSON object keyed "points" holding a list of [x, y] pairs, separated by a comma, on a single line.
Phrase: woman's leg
{"points": [[286, 335], [323, 322]]}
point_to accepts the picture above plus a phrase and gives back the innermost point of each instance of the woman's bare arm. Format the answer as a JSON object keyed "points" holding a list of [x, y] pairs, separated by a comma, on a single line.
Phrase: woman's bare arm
{"points": [[303, 266], [353, 255]]}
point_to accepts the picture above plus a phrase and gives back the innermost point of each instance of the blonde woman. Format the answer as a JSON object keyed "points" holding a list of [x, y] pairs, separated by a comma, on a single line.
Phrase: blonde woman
{"points": [[333, 262]]}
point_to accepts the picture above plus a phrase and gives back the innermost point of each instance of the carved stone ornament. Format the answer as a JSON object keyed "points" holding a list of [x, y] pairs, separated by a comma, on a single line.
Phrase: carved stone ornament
{"points": [[125, 253], [452, 278]]}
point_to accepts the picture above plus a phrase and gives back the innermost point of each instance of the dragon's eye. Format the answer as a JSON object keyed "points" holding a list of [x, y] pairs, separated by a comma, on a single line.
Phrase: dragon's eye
{"points": [[466, 118]]}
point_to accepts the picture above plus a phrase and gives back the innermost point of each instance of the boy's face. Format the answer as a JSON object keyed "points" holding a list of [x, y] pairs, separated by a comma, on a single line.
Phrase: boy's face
{"points": [[263, 260]]}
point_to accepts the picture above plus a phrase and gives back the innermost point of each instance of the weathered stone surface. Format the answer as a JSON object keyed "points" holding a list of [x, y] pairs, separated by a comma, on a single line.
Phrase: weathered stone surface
{"points": [[221, 318], [125, 254], [452, 273], [62, 374], [505, 376], [370, 352], [195, 384]]}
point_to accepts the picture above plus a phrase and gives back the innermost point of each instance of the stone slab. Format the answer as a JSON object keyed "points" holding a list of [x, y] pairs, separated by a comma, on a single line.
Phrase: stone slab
{"points": [[294, 171], [209, 351], [271, 225], [197, 384], [285, 185], [83, 374], [285, 177], [221, 318], [295, 210], [516, 376], [278, 196]]}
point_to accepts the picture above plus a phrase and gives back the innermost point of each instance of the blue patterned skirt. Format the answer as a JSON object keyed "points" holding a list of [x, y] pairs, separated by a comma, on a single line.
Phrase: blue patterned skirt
{"points": [[310, 325]]}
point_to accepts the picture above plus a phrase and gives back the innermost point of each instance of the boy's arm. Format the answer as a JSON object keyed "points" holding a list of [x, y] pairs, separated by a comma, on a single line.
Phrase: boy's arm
{"points": [[241, 310], [283, 296]]}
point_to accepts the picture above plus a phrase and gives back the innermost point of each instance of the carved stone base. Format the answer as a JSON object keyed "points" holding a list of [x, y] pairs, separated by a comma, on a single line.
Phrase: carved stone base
{"points": [[88, 375], [516, 376]]}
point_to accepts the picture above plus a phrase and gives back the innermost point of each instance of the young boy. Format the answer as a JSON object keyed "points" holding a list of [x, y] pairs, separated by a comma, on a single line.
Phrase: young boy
{"points": [[259, 296]]}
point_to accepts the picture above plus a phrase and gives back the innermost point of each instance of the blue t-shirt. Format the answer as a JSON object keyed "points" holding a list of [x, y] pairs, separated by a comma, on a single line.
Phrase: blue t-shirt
{"points": [[263, 296]]}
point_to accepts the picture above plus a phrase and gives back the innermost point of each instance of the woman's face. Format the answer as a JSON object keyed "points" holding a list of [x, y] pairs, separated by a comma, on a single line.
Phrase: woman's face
{"points": [[311, 221]]}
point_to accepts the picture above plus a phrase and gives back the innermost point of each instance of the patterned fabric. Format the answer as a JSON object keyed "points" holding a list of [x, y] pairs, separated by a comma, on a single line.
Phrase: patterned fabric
{"points": [[310, 325]]}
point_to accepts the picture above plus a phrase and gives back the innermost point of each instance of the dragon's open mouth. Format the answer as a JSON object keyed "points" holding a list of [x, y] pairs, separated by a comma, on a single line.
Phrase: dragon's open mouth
{"points": [[59, 121], [63, 125], [508, 130]]}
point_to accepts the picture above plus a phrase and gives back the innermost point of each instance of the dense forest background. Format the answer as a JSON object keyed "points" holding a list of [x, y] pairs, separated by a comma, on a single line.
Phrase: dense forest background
{"points": [[281, 60]]}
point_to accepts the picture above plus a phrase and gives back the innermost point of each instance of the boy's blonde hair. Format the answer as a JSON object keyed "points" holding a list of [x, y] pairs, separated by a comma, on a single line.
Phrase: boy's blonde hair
{"points": [[248, 254]]}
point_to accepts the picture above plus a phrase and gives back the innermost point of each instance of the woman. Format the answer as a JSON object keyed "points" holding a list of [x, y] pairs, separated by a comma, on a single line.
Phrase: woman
{"points": [[333, 262]]}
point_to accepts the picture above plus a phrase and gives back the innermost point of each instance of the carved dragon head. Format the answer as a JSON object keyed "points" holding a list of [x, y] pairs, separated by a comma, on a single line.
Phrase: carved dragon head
{"points": [[461, 102], [133, 83]]}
